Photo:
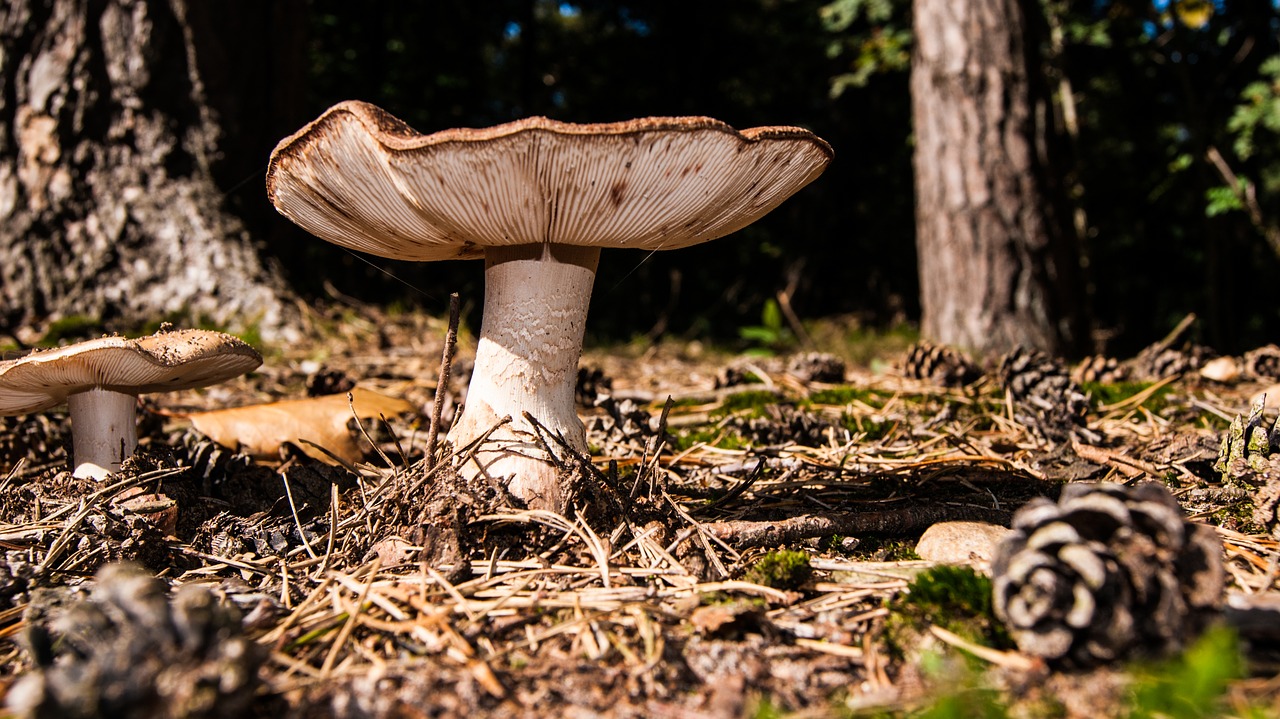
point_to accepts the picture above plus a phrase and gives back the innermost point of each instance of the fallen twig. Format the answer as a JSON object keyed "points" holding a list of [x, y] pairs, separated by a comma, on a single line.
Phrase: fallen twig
{"points": [[745, 533]]}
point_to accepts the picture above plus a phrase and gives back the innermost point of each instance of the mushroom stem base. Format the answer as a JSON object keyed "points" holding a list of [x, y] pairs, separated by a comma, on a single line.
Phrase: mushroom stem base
{"points": [[535, 312], [104, 431]]}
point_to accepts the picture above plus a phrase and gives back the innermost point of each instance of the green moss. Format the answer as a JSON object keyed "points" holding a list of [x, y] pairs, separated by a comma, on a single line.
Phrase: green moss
{"points": [[783, 569], [881, 549], [751, 403], [840, 396], [1110, 393], [871, 428], [711, 435], [957, 599], [73, 328]]}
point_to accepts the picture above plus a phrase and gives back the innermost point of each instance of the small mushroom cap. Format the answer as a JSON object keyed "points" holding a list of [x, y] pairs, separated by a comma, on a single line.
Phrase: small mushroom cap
{"points": [[361, 178], [174, 360]]}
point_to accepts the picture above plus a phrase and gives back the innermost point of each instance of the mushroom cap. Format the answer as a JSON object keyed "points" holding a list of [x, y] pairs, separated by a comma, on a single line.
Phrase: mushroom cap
{"points": [[173, 360], [361, 178]]}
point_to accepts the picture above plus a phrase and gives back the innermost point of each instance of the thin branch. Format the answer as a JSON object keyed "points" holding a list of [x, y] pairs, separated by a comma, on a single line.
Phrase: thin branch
{"points": [[744, 533], [442, 384], [1248, 196]]}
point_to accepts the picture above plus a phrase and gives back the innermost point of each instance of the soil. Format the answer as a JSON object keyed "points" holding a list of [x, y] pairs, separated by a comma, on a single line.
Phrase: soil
{"points": [[394, 587]]}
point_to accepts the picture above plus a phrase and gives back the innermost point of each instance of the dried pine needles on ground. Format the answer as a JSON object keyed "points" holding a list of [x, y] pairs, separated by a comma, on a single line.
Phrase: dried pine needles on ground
{"points": [[733, 548]]}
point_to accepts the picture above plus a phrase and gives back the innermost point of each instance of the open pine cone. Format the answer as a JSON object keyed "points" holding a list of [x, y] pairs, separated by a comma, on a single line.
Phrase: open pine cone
{"points": [[1263, 363], [939, 364], [1158, 362], [1044, 396], [129, 651], [1106, 571], [1100, 369]]}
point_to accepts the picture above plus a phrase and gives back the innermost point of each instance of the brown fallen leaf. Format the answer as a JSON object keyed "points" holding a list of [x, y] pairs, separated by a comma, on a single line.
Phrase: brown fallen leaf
{"points": [[259, 430]]}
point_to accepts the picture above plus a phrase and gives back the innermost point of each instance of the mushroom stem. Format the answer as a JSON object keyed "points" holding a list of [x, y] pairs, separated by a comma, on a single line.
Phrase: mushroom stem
{"points": [[106, 431], [535, 313]]}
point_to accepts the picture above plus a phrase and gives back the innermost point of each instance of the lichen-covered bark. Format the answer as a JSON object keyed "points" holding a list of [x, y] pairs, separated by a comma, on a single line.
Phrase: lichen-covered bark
{"points": [[997, 268], [108, 208]]}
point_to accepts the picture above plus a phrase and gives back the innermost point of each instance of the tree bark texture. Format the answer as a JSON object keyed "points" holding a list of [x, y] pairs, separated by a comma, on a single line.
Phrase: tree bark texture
{"points": [[108, 207], [998, 267]]}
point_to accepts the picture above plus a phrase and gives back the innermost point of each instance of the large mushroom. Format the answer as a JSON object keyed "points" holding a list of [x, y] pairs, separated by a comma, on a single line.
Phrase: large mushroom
{"points": [[537, 199], [100, 381]]}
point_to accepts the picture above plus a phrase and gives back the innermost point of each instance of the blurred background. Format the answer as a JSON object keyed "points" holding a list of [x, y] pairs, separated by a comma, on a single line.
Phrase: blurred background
{"points": [[1165, 116]]}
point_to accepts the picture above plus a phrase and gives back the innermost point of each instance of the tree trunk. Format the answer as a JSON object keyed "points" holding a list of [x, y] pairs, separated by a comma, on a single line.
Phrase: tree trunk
{"points": [[998, 268], [108, 207]]}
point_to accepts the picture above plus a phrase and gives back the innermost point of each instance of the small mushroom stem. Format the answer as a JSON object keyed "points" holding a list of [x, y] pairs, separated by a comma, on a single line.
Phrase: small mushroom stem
{"points": [[104, 431], [535, 314]]}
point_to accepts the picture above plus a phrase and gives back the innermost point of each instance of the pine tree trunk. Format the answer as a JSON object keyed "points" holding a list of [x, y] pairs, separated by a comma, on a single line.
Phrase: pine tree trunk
{"points": [[108, 208], [998, 267]]}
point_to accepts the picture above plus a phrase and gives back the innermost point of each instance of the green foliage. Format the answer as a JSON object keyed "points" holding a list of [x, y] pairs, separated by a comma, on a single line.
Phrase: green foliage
{"points": [[1221, 200], [783, 569], [1258, 112], [967, 703], [1192, 685], [771, 335], [880, 44]]}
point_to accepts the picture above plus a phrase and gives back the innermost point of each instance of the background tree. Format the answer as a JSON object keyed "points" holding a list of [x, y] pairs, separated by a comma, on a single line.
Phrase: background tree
{"points": [[109, 211], [998, 267]]}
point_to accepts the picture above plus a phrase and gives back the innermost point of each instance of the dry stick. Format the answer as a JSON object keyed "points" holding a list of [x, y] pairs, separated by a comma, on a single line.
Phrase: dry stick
{"points": [[442, 384], [794, 272], [1174, 335], [745, 533], [737, 490]]}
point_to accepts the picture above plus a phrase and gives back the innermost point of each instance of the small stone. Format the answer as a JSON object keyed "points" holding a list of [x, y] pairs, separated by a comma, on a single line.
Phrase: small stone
{"points": [[1221, 369], [960, 542], [1272, 396]]}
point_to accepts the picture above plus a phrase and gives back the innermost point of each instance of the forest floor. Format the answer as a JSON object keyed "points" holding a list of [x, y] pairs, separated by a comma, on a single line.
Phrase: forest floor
{"points": [[747, 548]]}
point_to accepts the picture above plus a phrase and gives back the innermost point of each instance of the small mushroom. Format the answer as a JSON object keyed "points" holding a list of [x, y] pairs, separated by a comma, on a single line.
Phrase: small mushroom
{"points": [[100, 381], [537, 199]]}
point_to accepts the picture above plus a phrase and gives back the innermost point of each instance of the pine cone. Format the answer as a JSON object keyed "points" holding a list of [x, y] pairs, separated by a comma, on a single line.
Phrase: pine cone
{"points": [[785, 424], [1099, 370], [592, 383], [1106, 571], [939, 364], [129, 651], [1044, 397], [1156, 363], [816, 367], [1263, 363], [1247, 444]]}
